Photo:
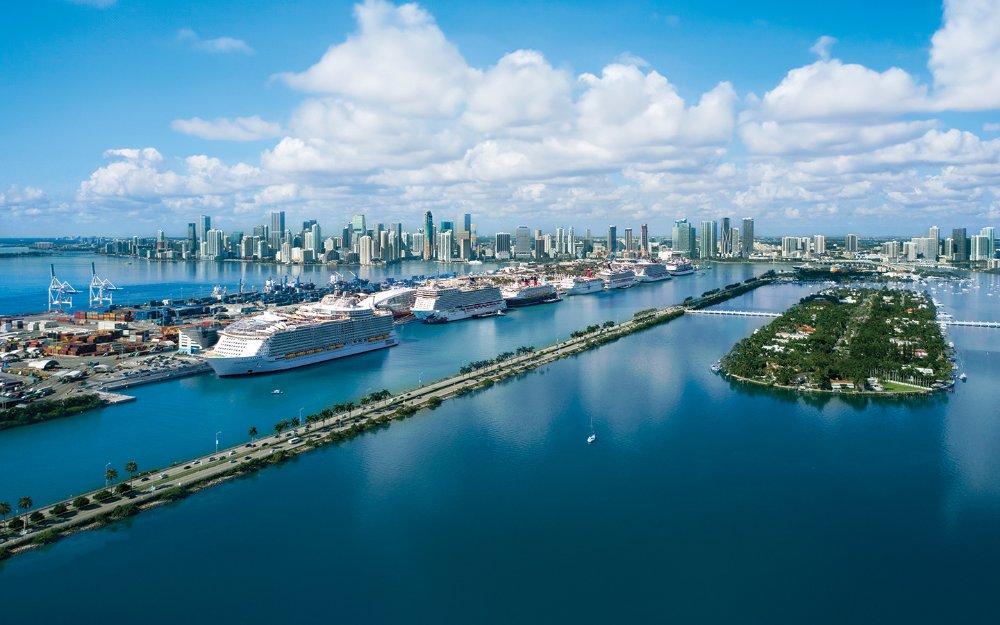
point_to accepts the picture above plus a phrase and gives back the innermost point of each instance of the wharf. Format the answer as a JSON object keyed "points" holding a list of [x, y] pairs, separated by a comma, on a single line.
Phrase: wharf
{"points": [[158, 376], [115, 398]]}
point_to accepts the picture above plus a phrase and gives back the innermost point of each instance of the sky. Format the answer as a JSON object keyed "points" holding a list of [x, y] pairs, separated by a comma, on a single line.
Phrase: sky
{"points": [[120, 117]]}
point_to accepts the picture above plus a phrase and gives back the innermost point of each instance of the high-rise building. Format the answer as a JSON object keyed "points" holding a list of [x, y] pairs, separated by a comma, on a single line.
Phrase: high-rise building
{"points": [[215, 241], [979, 248], [734, 239], [746, 237], [643, 240], [990, 233], [960, 243], [851, 243], [682, 238], [444, 245], [365, 250], [612, 240], [358, 227], [707, 241], [502, 248], [277, 228], [204, 225], [726, 240], [571, 243], [819, 244], [789, 247], [891, 250], [629, 243], [192, 236], [522, 242], [428, 236]]}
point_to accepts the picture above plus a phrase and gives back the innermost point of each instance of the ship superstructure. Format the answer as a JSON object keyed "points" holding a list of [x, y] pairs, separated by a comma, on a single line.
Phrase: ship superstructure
{"points": [[528, 292], [334, 327], [453, 299], [617, 278], [649, 271]]}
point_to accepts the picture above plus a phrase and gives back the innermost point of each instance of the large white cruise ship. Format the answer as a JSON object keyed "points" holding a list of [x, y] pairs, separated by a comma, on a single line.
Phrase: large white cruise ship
{"points": [[581, 285], [680, 267], [332, 328], [451, 300], [648, 271], [617, 278], [529, 293]]}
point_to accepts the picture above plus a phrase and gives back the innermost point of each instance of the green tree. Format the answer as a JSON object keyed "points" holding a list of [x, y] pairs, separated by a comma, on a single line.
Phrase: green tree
{"points": [[110, 475], [4, 511], [81, 502], [295, 422], [280, 426], [252, 433], [132, 467], [24, 504]]}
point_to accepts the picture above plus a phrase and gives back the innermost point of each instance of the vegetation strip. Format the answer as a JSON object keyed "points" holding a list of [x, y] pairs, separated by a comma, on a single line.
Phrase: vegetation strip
{"points": [[331, 425]]}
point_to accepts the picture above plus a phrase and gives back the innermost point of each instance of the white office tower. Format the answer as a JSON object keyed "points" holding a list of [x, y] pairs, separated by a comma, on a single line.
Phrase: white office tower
{"points": [[444, 246], [819, 244], [979, 248], [365, 250], [851, 243], [990, 233]]}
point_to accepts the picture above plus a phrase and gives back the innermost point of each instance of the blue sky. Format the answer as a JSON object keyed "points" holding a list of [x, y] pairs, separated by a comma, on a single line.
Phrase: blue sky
{"points": [[121, 117]]}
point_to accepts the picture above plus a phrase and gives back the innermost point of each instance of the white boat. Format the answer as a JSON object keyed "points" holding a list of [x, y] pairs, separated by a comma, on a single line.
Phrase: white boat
{"points": [[680, 267], [454, 299], [581, 285], [277, 391], [334, 327], [593, 436], [617, 278], [647, 271]]}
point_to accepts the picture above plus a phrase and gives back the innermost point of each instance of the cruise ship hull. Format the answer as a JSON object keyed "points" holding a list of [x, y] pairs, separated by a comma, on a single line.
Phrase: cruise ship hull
{"points": [[682, 272], [457, 314], [644, 278], [531, 301], [252, 365]]}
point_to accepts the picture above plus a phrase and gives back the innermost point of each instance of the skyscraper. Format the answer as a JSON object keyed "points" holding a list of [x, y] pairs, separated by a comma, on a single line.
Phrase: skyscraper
{"points": [[629, 242], [358, 227], [643, 240], [819, 244], [277, 228], [851, 243], [204, 225], [192, 236], [612, 240], [682, 238], [990, 233], [746, 237], [428, 236], [960, 241], [707, 243], [522, 242], [502, 249], [726, 241]]}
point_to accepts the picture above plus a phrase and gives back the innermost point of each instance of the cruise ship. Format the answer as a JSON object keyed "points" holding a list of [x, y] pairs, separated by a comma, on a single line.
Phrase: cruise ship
{"points": [[529, 293], [617, 278], [680, 267], [334, 327], [647, 271], [581, 285], [451, 300]]}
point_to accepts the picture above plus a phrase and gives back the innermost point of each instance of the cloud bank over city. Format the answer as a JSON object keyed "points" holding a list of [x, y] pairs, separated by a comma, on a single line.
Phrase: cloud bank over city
{"points": [[393, 120]]}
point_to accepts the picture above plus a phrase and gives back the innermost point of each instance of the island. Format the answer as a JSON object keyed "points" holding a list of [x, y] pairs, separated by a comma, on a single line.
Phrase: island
{"points": [[843, 339]]}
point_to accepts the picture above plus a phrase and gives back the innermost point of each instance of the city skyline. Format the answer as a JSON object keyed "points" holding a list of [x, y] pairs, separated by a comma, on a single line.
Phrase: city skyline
{"points": [[800, 119]]}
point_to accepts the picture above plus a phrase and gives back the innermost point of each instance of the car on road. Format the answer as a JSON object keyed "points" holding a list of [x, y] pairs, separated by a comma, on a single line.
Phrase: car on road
{"points": [[163, 476], [197, 461], [187, 466]]}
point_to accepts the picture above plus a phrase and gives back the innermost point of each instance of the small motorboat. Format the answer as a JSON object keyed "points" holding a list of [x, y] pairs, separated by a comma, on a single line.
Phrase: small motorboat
{"points": [[277, 391], [592, 438], [963, 377]]}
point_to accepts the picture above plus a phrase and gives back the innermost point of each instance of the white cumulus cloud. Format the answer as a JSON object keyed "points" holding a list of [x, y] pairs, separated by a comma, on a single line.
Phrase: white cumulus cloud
{"points": [[223, 129]]}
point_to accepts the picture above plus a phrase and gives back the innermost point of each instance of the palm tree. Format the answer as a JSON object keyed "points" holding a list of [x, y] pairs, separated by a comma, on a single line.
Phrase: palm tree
{"points": [[25, 504], [4, 510], [252, 433], [132, 468], [280, 426], [110, 475]]}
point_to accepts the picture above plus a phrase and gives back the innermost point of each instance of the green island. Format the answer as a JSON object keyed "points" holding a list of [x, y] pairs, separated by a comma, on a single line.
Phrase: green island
{"points": [[855, 340], [47, 409]]}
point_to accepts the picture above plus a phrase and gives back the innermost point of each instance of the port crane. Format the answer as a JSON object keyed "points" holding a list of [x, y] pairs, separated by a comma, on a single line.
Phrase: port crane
{"points": [[101, 289], [60, 293]]}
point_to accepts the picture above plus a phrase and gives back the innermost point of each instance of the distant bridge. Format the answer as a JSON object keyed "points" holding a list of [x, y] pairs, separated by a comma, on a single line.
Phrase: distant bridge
{"points": [[733, 313], [971, 324]]}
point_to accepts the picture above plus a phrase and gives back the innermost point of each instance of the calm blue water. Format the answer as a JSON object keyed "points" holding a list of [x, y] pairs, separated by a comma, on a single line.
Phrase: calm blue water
{"points": [[702, 501]]}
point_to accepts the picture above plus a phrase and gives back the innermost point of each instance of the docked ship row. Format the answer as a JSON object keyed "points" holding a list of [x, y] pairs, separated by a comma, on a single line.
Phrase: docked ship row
{"points": [[346, 324]]}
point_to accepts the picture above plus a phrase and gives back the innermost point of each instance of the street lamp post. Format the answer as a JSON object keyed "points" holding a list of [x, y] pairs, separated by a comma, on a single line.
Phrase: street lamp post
{"points": [[106, 467], [217, 441]]}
